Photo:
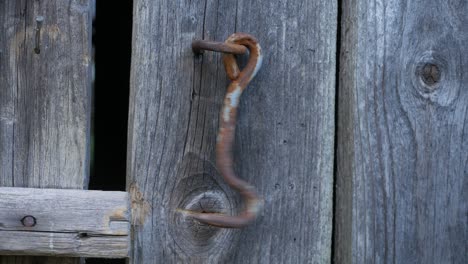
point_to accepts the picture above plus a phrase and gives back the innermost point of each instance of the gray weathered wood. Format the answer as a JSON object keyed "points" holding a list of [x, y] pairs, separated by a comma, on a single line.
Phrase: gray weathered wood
{"points": [[63, 244], [93, 212], [45, 97], [284, 140], [403, 133], [68, 222]]}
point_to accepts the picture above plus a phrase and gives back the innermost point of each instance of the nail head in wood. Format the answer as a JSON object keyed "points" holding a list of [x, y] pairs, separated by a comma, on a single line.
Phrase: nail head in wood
{"points": [[39, 21], [28, 221]]}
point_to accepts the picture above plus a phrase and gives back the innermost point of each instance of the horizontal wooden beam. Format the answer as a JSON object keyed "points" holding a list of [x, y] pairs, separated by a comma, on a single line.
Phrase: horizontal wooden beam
{"points": [[57, 222]]}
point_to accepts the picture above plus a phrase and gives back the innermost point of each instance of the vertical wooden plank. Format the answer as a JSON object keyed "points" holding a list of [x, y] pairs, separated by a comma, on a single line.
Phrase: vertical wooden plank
{"points": [[284, 141], [44, 97], [403, 133]]}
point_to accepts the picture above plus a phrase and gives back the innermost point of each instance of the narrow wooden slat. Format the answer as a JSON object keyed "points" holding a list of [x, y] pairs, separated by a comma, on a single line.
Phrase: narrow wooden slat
{"points": [[402, 171], [68, 222], [284, 137], [93, 212], [63, 244], [45, 97]]}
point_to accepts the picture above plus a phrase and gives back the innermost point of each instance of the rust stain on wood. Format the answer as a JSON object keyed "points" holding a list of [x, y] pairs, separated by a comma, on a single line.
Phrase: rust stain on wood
{"points": [[140, 208], [53, 31], [119, 214]]}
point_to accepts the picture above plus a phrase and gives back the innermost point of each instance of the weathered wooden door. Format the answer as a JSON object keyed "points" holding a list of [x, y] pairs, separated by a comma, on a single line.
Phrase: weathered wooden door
{"points": [[45, 99], [283, 143], [354, 132], [402, 147]]}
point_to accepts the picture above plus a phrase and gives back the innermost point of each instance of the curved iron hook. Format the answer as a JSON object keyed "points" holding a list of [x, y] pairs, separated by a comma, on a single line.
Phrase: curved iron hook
{"points": [[224, 160], [198, 46]]}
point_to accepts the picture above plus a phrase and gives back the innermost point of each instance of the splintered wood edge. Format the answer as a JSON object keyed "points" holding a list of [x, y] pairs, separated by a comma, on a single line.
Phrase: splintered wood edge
{"points": [[76, 223]]}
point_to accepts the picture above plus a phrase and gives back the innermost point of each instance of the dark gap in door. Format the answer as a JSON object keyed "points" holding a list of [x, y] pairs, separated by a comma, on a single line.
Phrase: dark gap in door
{"points": [[112, 36], [335, 159]]}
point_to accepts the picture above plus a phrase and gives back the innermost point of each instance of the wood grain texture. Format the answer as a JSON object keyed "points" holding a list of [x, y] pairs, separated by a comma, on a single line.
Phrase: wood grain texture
{"points": [[63, 244], [284, 140], [402, 171], [93, 212], [45, 97], [68, 222]]}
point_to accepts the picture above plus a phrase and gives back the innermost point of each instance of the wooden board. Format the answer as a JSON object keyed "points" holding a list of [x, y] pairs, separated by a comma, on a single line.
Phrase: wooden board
{"points": [[403, 133], [44, 97], [63, 244], [67, 222], [284, 141]]}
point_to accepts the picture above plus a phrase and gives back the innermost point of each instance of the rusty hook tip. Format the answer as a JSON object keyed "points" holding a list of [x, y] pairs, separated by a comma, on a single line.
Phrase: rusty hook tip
{"points": [[198, 46]]}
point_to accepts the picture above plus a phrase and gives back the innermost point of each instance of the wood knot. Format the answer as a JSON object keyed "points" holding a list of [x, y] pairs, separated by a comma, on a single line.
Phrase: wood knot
{"points": [[430, 74], [429, 71], [199, 193], [203, 201], [435, 76]]}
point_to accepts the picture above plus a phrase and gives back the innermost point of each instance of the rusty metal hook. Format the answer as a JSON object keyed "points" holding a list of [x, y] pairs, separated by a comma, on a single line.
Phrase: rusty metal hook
{"points": [[237, 43], [198, 46]]}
